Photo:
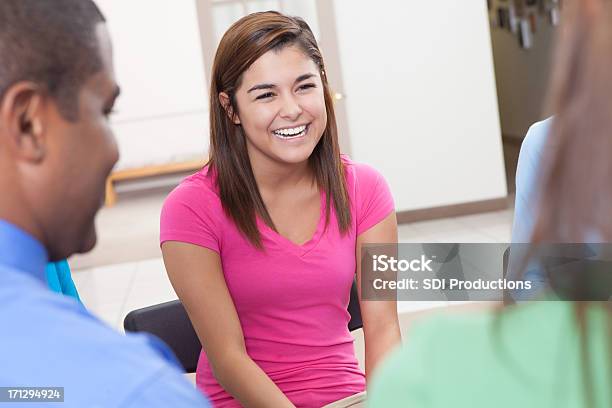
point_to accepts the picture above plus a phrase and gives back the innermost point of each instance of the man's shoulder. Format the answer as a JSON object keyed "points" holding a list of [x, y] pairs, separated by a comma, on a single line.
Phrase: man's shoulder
{"points": [[54, 341], [536, 137]]}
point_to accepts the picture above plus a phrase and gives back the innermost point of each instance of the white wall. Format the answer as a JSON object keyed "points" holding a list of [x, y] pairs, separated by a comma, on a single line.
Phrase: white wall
{"points": [[421, 98], [162, 114]]}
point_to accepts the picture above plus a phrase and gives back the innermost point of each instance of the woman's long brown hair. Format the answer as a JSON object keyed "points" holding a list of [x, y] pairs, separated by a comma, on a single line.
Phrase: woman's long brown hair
{"points": [[575, 200], [243, 43]]}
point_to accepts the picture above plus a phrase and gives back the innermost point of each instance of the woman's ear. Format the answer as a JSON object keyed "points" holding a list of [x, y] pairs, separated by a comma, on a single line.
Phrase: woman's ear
{"points": [[225, 102]]}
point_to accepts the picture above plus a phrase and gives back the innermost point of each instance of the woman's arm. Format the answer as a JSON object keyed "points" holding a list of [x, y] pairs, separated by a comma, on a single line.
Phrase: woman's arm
{"points": [[380, 323], [197, 277]]}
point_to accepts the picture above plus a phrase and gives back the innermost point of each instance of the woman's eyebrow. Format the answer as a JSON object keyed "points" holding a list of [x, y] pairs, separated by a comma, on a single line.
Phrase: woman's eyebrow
{"points": [[301, 78], [304, 77], [262, 86]]}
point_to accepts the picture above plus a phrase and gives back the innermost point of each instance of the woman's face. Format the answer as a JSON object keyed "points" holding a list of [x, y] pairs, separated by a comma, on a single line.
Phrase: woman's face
{"points": [[281, 107]]}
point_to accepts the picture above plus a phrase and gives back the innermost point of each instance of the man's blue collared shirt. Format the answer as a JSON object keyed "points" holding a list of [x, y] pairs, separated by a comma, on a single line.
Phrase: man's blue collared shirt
{"points": [[48, 340]]}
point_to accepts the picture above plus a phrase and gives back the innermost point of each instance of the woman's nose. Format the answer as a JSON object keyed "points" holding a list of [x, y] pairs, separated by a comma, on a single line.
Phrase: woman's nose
{"points": [[290, 109]]}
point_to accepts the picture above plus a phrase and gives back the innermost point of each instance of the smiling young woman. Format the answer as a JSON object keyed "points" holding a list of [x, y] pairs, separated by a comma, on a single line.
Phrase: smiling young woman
{"points": [[262, 244]]}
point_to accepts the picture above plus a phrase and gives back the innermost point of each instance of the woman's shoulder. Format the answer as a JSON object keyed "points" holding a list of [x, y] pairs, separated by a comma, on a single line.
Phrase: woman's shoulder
{"points": [[477, 326], [369, 193], [496, 344], [196, 194], [194, 188], [360, 174], [193, 213], [461, 335], [436, 344]]}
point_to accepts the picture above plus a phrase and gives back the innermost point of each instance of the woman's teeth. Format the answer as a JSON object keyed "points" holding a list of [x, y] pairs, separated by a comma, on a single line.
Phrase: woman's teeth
{"points": [[291, 133]]}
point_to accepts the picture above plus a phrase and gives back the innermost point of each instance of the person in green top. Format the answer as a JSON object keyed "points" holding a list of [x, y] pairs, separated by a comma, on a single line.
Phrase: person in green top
{"points": [[531, 357], [546, 353], [60, 280]]}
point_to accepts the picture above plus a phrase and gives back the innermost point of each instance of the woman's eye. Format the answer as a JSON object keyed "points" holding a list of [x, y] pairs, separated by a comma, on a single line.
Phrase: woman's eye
{"points": [[266, 95], [306, 86]]}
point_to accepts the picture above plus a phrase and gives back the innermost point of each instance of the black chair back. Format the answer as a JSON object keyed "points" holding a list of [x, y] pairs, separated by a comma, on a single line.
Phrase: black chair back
{"points": [[168, 321], [354, 309]]}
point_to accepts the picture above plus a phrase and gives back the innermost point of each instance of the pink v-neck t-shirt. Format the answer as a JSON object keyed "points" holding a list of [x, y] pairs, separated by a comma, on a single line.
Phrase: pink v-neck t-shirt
{"points": [[291, 299]]}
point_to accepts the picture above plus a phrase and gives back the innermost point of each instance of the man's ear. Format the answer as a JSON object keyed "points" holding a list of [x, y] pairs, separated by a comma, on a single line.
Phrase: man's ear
{"points": [[225, 102], [23, 122]]}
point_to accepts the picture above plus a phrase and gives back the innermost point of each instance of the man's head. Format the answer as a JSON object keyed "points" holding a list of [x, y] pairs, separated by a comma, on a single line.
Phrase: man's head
{"points": [[57, 88]]}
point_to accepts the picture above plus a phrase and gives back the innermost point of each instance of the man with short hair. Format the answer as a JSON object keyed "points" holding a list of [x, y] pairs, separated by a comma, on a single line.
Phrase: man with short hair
{"points": [[57, 89]]}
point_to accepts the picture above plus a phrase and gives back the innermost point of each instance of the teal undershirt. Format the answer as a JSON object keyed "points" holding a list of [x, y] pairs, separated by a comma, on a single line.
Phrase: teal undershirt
{"points": [[60, 279]]}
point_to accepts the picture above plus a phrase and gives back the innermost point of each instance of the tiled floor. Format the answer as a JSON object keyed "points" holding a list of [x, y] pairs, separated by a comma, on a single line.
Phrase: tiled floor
{"points": [[112, 291]]}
